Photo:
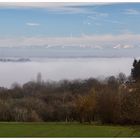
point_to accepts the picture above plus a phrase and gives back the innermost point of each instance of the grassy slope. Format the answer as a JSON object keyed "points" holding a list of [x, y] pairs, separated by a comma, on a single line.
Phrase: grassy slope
{"points": [[65, 130]]}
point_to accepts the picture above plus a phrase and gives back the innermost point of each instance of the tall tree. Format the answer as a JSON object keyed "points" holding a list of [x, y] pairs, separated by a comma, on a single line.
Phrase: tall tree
{"points": [[135, 72]]}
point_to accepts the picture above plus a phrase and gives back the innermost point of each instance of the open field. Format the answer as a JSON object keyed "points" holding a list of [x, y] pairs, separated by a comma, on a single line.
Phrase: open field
{"points": [[66, 130]]}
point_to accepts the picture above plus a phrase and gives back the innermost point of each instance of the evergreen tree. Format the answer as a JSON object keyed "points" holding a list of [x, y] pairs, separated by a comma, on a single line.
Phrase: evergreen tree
{"points": [[135, 72]]}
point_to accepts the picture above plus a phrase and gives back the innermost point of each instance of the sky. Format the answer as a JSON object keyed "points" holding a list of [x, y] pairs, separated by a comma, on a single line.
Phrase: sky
{"points": [[100, 26]]}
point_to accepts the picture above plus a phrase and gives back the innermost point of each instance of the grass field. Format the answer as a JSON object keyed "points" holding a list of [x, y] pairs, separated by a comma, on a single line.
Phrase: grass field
{"points": [[66, 130]]}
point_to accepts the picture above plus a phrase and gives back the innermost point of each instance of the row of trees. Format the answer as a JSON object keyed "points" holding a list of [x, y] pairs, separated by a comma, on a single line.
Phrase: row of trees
{"points": [[106, 101]]}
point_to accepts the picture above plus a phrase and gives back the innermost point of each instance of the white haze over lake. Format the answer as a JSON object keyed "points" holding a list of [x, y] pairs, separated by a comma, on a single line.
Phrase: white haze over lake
{"points": [[58, 69]]}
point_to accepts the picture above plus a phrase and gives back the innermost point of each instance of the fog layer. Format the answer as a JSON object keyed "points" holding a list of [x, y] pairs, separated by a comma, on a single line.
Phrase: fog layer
{"points": [[58, 69]]}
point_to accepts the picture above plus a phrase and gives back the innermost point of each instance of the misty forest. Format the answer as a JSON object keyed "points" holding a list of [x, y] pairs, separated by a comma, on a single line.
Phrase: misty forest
{"points": [[115, 100]]}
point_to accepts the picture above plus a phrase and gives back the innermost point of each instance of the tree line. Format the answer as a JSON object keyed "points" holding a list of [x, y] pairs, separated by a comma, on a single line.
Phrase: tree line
{"points": [[112, 100]]}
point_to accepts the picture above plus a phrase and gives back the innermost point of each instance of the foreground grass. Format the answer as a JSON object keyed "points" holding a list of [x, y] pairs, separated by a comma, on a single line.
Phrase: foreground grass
{"points": [[66, 130]]}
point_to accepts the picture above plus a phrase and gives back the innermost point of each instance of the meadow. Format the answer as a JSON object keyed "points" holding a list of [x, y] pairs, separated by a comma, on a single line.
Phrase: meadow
{"points": [[52, 129]]}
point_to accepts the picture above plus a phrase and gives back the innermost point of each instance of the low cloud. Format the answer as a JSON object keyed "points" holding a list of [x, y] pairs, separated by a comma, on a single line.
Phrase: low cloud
{"points": [[94, 18], [50, 4], [59, 7], [132, 12], [32, 24]]}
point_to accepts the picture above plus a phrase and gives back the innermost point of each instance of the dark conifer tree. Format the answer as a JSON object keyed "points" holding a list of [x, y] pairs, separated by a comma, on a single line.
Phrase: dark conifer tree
{"points": [[135, 72]]}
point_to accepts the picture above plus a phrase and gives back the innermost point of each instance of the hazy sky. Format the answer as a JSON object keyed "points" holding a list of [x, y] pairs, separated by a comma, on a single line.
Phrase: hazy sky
{"points": [[96, 25]]}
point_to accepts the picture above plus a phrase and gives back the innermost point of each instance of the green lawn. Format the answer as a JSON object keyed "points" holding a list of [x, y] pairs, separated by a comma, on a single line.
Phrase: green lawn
{"points": [[66, 130]]}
